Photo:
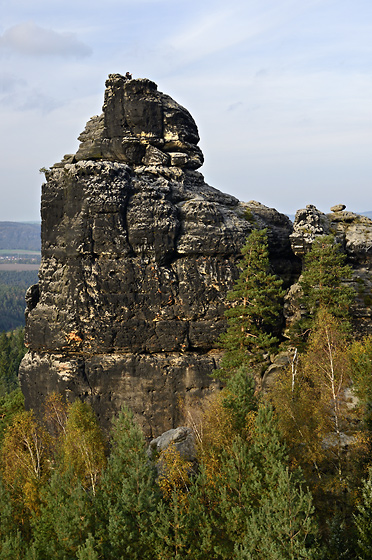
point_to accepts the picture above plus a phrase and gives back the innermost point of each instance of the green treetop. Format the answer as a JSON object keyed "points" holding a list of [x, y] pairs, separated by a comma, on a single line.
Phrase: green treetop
{"points": [[255, 310], [323, 278]]}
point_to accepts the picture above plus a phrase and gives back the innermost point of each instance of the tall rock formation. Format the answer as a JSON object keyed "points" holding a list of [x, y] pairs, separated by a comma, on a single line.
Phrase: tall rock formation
{"points": [[138, 253]]}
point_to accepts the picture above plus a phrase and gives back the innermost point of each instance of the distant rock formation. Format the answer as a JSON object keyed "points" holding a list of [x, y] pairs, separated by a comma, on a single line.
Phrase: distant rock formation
{"points": [[138, 253], [354, 233]]}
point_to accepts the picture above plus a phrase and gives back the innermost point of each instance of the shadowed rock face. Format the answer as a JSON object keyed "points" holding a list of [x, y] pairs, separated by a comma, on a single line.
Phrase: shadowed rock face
{"points": [[138, 253]]}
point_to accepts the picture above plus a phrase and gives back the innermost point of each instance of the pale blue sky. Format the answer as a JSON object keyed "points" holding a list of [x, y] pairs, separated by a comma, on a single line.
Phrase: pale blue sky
{"points": [[281, 90]]}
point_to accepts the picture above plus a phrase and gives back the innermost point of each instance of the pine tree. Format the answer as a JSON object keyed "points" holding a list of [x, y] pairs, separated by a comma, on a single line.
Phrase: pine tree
{"points": [[323, 283], [14, 548], [255, 311], [243, 494], [173, 538], [280, 524], [10, 405], [239, 398], [11, 542], [283, 526], [87, 551], [65, 518], [363, 521], [12, 350], [128, 495], [190, 521]]}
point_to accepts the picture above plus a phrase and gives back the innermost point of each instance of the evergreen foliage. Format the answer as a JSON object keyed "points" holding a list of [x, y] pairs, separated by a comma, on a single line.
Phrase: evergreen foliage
{"points": [[220, 514], [363, 521], [128, 496], [8, 529], [341, 538], [64, 520], [87, 550], [56, 512], [13, 286], [323, 283], [283, 526], [239, 398], [10, 405], [255, 311], [323, 276], [12, 350]]}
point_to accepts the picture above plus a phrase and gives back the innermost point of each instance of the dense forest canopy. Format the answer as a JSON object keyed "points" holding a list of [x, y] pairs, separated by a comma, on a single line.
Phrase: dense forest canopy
{"points": [[13, 287]]}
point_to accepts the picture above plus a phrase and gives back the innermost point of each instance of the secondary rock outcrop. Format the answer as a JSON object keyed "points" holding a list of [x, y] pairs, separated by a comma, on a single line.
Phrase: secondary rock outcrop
{"points": [[138, 253], [354, 234]]}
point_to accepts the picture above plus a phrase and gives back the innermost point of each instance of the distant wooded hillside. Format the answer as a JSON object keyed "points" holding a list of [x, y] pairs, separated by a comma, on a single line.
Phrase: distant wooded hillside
{"points": [[13, 286], [18, 235]]}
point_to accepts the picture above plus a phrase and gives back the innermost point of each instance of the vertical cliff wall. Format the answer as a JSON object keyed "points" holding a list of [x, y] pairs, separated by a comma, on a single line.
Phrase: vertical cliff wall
{"points": [[138, 253]]}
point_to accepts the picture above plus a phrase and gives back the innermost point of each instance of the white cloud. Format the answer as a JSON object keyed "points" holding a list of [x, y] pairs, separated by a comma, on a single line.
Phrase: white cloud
{"points": [[28, 38]]}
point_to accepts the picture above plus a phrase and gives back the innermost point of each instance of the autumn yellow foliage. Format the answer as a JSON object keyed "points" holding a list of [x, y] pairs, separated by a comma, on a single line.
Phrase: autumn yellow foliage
{"points": [[24, 459]]}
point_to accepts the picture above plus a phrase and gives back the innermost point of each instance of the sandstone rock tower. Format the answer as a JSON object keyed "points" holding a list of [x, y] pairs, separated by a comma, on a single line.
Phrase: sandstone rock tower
{"points": [[137, 255]]}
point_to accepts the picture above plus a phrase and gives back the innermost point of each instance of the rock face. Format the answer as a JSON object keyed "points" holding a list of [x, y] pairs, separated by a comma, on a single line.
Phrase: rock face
{"points": [[138, 253]]}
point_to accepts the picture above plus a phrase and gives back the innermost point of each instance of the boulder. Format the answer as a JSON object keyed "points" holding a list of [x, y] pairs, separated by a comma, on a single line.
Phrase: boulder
{"points": [[181, 438]]}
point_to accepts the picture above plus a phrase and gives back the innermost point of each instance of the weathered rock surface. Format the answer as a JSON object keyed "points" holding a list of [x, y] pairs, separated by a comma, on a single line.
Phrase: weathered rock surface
{"points": [[182, 439], [140, 126], [354, 233], [309, 223], [138, 253]]}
